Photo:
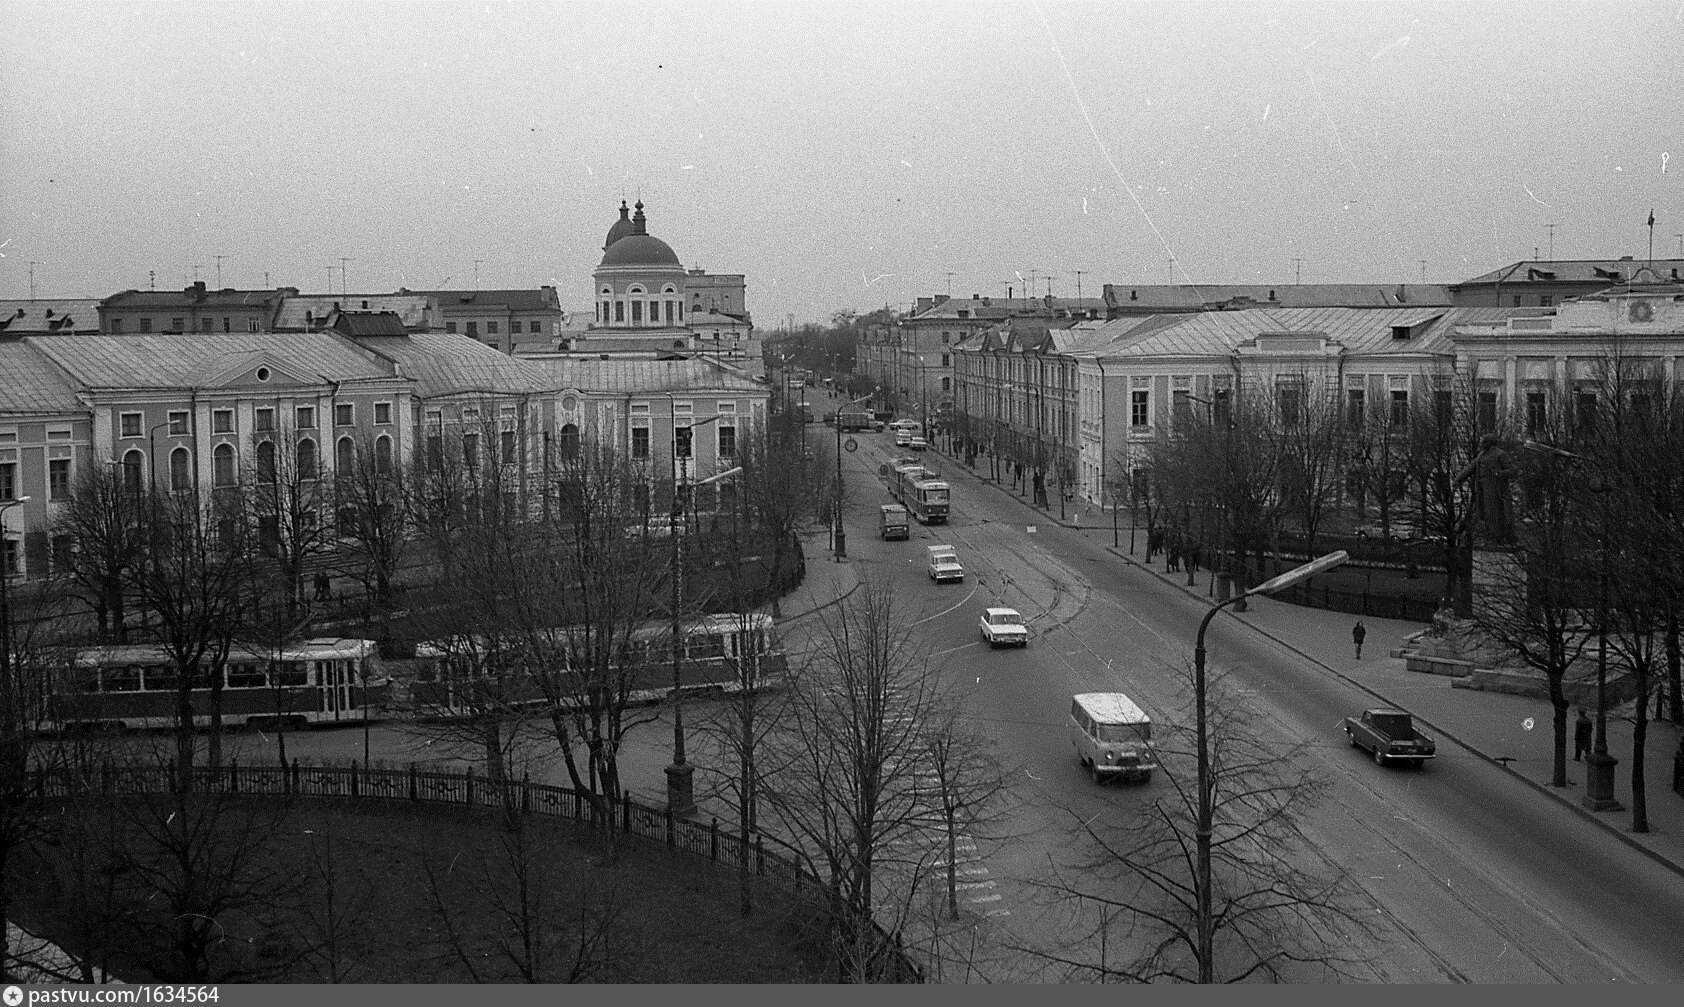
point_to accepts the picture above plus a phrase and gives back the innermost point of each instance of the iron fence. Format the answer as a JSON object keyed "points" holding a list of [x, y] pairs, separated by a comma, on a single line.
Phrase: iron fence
{"points": [[412, 784]]}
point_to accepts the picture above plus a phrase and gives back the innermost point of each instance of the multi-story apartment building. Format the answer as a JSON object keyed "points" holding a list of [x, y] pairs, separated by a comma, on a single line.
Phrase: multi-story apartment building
{"points": [[194, 309], [505, 319], [48, 317], [1124, 300], [1544, 284], [45, 436], [1015, 399]]}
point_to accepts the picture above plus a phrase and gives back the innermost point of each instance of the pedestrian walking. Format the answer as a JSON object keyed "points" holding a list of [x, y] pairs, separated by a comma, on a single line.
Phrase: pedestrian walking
{"points": [[324, 587], [1358, 633], [1582, 729]]}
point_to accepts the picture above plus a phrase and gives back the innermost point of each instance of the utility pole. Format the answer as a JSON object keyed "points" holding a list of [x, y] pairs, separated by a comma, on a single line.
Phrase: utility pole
{"points": [[950, 275], [330, 281], [219, 259], [343, 286], [476, 272], [151, 279], [32, 265], [1172, 270], [1078, 273], [1551, 229], [1423, 263], [1297, 272]]}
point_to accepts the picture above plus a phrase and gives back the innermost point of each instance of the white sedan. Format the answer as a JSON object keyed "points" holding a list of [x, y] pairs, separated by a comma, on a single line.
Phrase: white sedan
{"points": [[1003, 627]]}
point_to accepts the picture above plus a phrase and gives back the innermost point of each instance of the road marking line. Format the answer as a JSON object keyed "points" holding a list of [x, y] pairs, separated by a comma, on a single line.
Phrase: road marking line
{"points": [[985, 898], [975, 884]]}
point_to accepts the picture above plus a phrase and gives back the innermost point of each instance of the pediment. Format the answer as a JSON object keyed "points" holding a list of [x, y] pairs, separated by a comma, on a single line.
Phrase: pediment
{"points": [[256, 369]]}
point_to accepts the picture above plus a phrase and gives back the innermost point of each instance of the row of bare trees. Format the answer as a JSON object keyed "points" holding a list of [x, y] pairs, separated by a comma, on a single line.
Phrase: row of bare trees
{"points": [[1571, 496]]}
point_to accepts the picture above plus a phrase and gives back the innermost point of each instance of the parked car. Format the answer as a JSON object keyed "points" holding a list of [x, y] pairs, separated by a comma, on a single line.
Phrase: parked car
{"points": [[1112, 736], [903, 439], [1003, 627], [917, 443], [944, 563], [1390, 734]]}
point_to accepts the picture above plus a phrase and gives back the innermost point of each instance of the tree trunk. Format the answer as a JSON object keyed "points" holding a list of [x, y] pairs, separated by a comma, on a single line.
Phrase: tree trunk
{"points": [[1675, 702], [1639, 736], [1558, 700]]}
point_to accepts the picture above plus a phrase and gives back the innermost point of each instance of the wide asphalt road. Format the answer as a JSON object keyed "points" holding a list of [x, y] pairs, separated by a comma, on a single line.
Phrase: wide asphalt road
{"points": [[1470, 875]]}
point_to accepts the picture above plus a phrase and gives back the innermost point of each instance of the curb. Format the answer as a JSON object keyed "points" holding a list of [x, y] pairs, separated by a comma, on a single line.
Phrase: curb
{"points": [[1590, 816]]}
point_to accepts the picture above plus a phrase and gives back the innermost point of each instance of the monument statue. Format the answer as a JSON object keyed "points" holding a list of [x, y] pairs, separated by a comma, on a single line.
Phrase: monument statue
{"points": [[1493, 471]]}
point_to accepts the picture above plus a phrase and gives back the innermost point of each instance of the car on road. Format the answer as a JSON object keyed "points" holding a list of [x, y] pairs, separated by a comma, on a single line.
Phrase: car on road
{"points": [[903, 438], [1389, 734], [893, 522], [944, 563], [1112, 736], [1003, 627], [917, 443]]}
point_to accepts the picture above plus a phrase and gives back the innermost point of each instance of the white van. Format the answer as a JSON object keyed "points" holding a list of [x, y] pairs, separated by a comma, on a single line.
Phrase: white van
{"points": [[1112, 736], [944, 563]]}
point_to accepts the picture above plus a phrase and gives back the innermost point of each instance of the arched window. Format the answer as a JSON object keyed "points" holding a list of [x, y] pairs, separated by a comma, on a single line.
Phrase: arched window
{"points": [[133, 466], [308, 464], [222, 465], [265, 462], [569, 442], [344, 456], [181, 470], [383, 455]]}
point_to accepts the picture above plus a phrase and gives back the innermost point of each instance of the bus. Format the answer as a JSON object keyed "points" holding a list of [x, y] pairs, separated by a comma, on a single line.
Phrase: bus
{"points": [[462, 674], [135, 686]]}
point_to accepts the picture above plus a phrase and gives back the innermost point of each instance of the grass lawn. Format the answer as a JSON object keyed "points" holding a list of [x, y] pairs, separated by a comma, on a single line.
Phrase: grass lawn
{"points": [[323, 891]]}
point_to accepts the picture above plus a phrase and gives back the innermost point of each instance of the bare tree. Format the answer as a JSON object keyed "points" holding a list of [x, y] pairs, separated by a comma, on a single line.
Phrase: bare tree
{"points": [[289, 496], [372, 517], [1274, 903], [103, 519], [846, 774]]}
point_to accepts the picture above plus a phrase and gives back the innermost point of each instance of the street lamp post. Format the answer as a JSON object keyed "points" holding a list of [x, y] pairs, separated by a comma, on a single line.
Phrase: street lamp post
{"points": [[5, 610], [681, 792], [840, 536], [1206, 922]]}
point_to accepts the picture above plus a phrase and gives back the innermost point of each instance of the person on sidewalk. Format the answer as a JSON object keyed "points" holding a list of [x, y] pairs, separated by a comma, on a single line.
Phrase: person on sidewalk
{"points": [[1358, 633], [1582, 729]]}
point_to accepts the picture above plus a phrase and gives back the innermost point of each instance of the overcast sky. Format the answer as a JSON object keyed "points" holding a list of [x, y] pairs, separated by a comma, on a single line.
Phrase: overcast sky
{"points": [[840, 155]]}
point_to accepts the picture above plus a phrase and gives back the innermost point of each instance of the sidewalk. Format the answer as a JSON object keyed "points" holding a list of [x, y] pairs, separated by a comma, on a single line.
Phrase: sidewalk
{"points": [[1514, 732]]}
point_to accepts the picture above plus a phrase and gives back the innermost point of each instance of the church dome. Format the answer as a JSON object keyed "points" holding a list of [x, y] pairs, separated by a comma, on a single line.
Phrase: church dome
{"points": [[636, 247], [621, 228]]}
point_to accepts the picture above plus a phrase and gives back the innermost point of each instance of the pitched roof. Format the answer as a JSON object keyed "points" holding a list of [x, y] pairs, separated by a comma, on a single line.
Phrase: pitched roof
{"points": [[445, 363], [1147, 297], [623, 376], [1359, 330], [1604, 271], [542, 299], [367, 323], [186, 360], [196, 295], [29, 383], [310, 311], [38, 317]]}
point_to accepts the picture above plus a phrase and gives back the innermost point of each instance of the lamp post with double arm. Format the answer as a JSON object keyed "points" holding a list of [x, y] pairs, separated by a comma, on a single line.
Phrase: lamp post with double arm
{"points": [[1205, 920], [840, 537]]}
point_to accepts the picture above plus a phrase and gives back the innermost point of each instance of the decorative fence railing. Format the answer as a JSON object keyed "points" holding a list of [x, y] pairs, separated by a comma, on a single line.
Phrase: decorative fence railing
{"points": [[467, 789]]}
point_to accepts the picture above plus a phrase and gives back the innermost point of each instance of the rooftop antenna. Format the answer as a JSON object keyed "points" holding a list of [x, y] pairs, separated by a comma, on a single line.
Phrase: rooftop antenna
{"points": [[1297, 271], [1172, 270], [32, 265], [1423, 263], [151, 279], [1680, 238], [1651, 237], [1049, 286], [342, 285], [950, 276], [476, 272], [196, 273], [1078, 273], [219, 259], [266, 279], [1551, 229]]}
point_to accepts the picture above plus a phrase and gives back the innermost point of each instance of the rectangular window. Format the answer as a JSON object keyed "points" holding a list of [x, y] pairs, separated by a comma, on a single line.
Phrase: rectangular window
{"points": [[681, 441], [1139, 402], [637, 312], [508, 445], [8, 480], [473, 329], [227, 325], [1536, 412], [178, 422], [619, 311], [207, 324], [1223, 408], [344, 414], [1290, 399], [946, 360], [306, 417], [116, 326], [130, 424], [178, 325], [146, 325], [640, 442], [1487, 411], [491, 328], [58, 479], [470, 450], [727, 442], [1546, 301], [1400, 407], [251, 325], [264, 419], [944, 337], [450, 327], [1584, 410], [222, 421], [1444, 408], [382, 413], [1356, 407], [8, 557]]}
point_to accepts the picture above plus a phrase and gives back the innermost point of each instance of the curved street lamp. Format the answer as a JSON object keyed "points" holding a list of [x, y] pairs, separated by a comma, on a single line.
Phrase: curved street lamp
{"points": [[1206, 923], [840, 537]]}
